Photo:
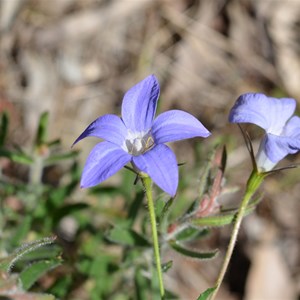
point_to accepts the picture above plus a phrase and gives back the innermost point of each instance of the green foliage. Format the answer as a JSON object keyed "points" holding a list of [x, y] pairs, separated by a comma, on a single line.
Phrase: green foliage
{"points": [[103, 248], [3, 128], [15, 285], [127, 237], [42, 130], [206, 294], [201, 255], [7, 263], [34, 271]]}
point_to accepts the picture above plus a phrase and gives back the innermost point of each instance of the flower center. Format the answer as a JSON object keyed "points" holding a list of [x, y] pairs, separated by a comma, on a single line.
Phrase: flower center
{"points": [[138, 143]]}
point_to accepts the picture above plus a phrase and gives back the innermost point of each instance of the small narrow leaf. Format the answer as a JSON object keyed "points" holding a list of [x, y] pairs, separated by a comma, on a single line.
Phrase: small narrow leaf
{"points": [[41, 135], [3, 128], [53, 143], [141, 285], [219, 220], [21, 231], [166, 266], [214, 221], [18, 157], [57, 158], [50, 251], [25, 296], [127, 237], [167, 207], [190, 233], [192, 253], [170, 296], [135, 207], [8, 262], [35, 271], [206, 294]]}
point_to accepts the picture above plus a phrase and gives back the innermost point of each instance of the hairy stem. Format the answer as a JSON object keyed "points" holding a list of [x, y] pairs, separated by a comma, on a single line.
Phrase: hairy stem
{"points": [[148, 190], [253, 184]]}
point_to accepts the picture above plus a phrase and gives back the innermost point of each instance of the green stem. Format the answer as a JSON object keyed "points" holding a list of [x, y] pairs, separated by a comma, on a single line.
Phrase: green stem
{"points": [[147, 182], [253, 184]]}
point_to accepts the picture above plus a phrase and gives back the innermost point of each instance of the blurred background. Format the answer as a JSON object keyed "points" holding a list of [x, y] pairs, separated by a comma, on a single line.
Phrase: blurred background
{"points": [[76, 58]]}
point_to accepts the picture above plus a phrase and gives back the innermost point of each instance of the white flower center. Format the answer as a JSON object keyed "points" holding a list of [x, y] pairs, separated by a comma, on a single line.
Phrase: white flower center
{"points": [[137, 143], [264, 164]]}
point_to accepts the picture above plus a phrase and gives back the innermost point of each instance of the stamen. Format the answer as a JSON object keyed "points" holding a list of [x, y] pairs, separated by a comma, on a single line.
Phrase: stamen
{"points": [[138, 143]]}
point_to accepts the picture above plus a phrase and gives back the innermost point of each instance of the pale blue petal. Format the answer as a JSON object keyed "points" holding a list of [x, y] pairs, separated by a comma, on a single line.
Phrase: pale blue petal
{"points": [[277, 147], [161, 165], [292, 128], [108, 127], [175, 125], [269, 113], [139, 104], [104, 161]]}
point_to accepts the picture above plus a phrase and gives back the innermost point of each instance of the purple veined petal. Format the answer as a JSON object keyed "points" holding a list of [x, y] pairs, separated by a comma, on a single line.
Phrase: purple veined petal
{"points": [[269, 113], [277, 147], [175, 125], [292, 128], [161, 165], [139, 104], [104, 161], [108, 127]]}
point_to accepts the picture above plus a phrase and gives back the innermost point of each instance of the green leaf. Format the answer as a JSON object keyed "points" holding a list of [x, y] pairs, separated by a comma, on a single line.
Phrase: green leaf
{"points": [[206, 294], [56, 158], [99, 269], [219, 220], [166, 208], [214, 221], [8, 262], [190, 233], [25, 296], [135, 206], [127, 237], [170, 296], [42, 133], [159, 207], [40, 297], [62, 286], [141, 285], [104, 190], [3, 128], [35, 271], [192, 253], [21, 231], [163, 213], [18, 157], [167, 266], [51, 251], [53, 143]]}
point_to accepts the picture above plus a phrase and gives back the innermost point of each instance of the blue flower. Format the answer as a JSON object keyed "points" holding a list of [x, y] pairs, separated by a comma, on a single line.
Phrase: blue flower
{"points": [[275, 117], [137, 138]]}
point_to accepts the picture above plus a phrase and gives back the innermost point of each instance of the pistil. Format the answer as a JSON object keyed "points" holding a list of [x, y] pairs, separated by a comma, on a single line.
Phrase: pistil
{"points": [[138, 143]]}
